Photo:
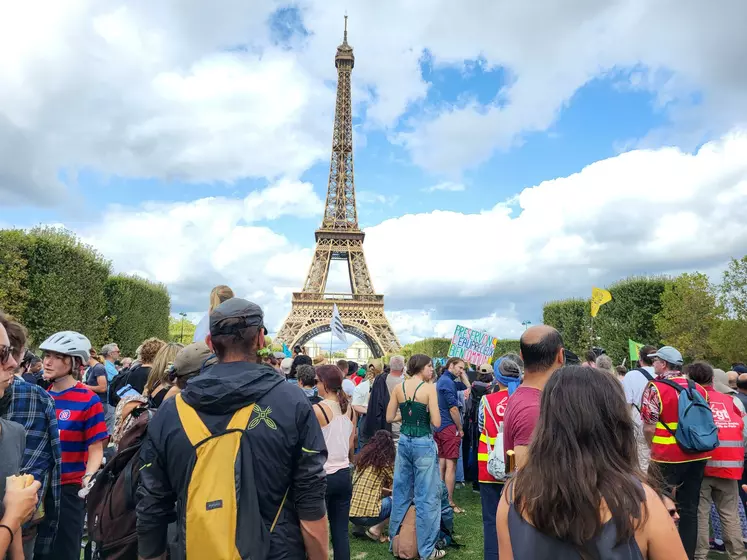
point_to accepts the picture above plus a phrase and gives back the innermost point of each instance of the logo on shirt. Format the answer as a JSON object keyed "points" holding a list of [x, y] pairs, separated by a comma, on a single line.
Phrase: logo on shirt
{"points": [[262, 416], [65, 414]]}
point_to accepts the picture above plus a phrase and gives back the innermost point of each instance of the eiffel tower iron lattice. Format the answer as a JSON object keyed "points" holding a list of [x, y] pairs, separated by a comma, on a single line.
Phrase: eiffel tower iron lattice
{"points": [[340, 238]]}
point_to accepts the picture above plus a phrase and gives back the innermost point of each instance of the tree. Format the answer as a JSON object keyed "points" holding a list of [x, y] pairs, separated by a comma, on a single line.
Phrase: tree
{"points": [[175, 330], [689, 313], [572, 319], [13, 272], [729, 342], [138, 309], [734, 289], [506, 346]]}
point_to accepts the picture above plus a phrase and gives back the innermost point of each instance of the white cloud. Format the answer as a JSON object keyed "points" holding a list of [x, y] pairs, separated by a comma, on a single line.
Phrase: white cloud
{"points": [[370, 197], [446, 186], [645, 211], [205, 93]]}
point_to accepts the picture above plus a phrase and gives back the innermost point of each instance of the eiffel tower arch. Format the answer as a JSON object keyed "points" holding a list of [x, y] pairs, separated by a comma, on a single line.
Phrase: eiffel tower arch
{"points": [[340, 238]]}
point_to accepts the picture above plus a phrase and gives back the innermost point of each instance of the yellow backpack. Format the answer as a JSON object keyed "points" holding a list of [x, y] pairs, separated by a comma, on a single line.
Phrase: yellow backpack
{"points": [[213, 494]]}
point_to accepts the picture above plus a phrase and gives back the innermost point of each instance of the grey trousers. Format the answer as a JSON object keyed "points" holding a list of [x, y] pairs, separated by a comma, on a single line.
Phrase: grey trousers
{"points": [[724, 493]]}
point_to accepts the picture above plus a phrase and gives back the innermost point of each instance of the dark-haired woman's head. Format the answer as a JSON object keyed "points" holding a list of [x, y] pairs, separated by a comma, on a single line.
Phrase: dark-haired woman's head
{"points": [[420, 364], [378, 453], [700, 372], [584, 450], [330, 384], [300, 360]]}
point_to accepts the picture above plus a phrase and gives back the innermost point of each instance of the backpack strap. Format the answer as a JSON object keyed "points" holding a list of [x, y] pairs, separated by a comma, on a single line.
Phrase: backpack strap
{"points": [[677, 387], [194, 427], [645, 373]]}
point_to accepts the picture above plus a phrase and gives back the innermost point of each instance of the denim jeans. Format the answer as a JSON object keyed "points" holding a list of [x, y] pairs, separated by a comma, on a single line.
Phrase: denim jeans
{"points": [[417, 480], [490, 495], [386, 511]]}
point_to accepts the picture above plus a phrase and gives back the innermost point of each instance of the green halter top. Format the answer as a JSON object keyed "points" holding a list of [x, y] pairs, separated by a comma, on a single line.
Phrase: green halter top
{"points": [[416, 421]]}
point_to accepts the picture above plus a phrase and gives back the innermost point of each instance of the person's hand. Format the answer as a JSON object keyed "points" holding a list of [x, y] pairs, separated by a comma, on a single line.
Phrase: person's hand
{"points": [[460, 433], [20, 503], [466, 393]]}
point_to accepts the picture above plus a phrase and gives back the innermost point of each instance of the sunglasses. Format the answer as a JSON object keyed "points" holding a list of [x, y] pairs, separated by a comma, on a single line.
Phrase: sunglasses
{"points": [[5, 353]]}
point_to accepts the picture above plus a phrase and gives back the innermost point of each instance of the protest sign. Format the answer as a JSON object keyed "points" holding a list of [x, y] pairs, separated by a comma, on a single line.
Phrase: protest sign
{"points": [[472, 346]]}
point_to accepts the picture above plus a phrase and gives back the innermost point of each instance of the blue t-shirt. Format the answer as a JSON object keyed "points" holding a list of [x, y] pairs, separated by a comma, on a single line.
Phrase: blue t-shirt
{"points": [[92, 376], [447, 388]]}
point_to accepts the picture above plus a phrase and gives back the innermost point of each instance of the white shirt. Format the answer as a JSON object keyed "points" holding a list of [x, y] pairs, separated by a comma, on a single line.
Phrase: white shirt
{"points": [[362, 393], [348, 386], [634, 384], [202, 329]]}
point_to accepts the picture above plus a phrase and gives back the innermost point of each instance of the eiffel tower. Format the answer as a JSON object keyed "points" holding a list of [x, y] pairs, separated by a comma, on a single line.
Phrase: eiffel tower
{"points": [[340, 238]]}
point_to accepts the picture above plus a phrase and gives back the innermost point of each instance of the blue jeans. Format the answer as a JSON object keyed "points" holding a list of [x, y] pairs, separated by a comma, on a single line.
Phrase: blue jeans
{"points": [[490, 495], [417, 480], [386, 511]]}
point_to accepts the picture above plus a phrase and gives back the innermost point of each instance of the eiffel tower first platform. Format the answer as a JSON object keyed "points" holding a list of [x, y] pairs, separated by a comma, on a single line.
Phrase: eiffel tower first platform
{"points": [[340, 238]]}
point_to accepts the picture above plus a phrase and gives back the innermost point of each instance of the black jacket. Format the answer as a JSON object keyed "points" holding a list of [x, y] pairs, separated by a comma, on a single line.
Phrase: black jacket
{"points": [[287, 453], [378, 401]]}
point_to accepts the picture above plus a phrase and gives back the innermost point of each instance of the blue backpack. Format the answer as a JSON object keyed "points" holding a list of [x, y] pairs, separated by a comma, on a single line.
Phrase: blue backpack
{"points": [[696, 431]]}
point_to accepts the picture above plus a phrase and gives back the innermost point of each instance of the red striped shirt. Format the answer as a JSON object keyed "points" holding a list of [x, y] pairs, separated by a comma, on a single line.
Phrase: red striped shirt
{"points": [[80, 418]]}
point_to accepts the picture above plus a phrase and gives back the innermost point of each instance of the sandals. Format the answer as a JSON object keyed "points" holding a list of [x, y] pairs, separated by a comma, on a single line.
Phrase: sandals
{"points": [[457, 509], [437, 554], [381, 538]]}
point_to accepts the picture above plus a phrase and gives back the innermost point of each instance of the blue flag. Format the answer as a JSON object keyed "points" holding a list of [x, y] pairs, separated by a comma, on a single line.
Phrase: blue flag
{"points": [[286, 351]]}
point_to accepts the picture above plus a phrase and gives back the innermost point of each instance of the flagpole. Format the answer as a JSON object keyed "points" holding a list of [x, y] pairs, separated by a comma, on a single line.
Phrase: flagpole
{"points": [[331, 334]]}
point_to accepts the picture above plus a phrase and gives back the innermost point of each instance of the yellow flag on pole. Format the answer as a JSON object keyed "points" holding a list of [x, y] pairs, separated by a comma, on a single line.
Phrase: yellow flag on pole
{"points": [[598, 298]]}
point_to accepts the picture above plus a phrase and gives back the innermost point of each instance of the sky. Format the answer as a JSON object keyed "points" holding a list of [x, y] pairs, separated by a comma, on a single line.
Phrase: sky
{"points": [[506, 153]]}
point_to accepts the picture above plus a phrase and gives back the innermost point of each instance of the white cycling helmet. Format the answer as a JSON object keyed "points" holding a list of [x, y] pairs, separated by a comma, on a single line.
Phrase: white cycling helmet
{"points": [[69, 343]]}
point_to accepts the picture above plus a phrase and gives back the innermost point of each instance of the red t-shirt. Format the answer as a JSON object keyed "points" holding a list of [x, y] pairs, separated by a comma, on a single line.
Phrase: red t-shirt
{"points": [[522, 413]]}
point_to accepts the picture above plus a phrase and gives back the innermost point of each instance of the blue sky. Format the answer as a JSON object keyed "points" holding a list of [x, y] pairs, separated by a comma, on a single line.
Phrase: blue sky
{"points": [[504, 157]]}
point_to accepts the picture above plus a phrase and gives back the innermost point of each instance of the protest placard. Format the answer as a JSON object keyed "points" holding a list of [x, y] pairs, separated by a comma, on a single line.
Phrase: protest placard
{"points": [[472, 346]]}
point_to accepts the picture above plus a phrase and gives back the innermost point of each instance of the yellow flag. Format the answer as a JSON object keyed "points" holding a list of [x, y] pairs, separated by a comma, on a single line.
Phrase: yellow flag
{"points": [[598, 298]]}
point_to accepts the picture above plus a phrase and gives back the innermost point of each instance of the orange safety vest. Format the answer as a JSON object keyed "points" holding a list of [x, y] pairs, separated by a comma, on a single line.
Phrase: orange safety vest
{"points": [[727, 460], [664, 447], [497, 403]]}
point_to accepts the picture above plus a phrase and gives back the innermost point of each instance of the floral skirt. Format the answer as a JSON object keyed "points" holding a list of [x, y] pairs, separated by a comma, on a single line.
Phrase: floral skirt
{"points": [[716, 522]]}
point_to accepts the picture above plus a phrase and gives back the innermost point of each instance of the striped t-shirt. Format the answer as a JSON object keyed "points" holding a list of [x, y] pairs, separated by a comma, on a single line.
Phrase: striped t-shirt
{"points": [[80, 418]]}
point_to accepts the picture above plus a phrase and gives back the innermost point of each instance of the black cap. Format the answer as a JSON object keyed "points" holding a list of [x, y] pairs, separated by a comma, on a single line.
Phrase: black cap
{"points": [[236, 308]]}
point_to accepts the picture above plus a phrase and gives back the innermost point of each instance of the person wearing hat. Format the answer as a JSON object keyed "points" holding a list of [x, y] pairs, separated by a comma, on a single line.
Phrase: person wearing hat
{"points": [[492, 408], [285, 449], [679, 468]]}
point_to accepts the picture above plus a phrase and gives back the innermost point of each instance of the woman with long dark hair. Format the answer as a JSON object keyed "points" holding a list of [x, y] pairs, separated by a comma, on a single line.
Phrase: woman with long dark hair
{"points": [[416, 477], [337, 419], [372, 485], [581, 493]]}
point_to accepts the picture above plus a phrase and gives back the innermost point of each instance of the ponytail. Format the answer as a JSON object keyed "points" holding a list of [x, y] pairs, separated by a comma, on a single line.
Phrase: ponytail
{"points": [[342, 399]]}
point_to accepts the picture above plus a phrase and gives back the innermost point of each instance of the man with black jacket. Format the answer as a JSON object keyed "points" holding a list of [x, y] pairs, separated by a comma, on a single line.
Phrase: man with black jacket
{"points": [[375, 419], [283, 441]]}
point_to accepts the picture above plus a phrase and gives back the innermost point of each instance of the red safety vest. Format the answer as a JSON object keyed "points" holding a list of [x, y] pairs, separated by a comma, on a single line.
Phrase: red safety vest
{"points": [[497, 403], [664, 448], [727, 460]]}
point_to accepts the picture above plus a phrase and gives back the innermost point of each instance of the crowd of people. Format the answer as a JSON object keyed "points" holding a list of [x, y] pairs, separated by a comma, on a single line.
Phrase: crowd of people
{"points": [[238, 452]]}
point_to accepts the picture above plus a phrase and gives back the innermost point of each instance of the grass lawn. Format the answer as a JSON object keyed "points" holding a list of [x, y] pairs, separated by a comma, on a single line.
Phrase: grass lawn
{"points": [[467, 532]]}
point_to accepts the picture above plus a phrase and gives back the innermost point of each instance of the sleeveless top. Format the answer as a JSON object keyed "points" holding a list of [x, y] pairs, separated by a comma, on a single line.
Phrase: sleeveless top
{"points": [[529, 543], [416, 421], [337, 438]]}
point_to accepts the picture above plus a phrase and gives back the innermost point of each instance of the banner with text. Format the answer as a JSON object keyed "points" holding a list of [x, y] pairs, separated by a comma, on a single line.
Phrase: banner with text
{"points": [[472, 346]]}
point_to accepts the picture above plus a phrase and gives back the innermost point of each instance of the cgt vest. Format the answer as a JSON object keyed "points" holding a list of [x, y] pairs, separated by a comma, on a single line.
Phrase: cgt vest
{"points": [[727, 460], [497, 402], [664, 447]]}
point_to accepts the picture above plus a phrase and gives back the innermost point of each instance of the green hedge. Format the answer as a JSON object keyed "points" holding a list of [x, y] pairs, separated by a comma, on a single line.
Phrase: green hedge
{"points": [[433, 347], [137, 309], [506, 346], [630, 315], [51, 281]]}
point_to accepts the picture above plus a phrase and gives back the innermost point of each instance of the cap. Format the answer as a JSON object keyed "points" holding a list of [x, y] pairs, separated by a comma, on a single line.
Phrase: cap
{"points": [[509, 368], [740, 368], [236, 308], [286, 364], [485, 368], [192, 358], [669, 354]]}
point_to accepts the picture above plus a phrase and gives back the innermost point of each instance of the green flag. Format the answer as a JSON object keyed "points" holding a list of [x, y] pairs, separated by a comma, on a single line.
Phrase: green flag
{"points": [[634, 348]]}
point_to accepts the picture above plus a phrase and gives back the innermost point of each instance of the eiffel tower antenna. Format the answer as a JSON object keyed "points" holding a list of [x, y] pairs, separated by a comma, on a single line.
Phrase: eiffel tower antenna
{"points": [[340, 238]]}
